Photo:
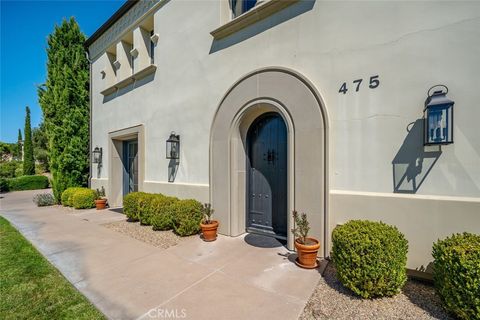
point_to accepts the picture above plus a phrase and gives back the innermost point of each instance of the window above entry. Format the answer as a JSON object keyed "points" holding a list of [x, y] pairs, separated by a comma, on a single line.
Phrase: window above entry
{"points": [[247, 12]]}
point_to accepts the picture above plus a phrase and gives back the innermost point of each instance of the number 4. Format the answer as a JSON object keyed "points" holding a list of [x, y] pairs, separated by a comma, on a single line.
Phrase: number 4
{"points": [[343, 88]]}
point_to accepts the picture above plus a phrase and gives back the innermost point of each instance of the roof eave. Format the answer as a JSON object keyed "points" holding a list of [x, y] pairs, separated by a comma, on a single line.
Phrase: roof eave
{"points": [[114, 18]]}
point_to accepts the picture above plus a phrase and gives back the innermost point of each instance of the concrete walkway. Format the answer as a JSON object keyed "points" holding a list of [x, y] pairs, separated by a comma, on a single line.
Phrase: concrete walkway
{"points": [[247, 277]]}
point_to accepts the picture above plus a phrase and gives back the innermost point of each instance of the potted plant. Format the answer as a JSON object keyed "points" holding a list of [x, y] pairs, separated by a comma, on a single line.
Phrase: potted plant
{"points": [[101, 201], [209, 226], [307, 247]]}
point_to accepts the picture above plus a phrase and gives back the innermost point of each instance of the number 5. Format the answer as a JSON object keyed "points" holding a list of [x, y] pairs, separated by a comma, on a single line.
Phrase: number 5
{"points": [[374, 82]]}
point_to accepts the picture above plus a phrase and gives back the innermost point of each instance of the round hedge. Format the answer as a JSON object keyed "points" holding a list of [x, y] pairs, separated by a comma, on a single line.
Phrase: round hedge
{"points": [[159, 214], [187, 215], [131, 205], [67, 196], [370, 258], [456, 274], [84, 198], [143, 202]]}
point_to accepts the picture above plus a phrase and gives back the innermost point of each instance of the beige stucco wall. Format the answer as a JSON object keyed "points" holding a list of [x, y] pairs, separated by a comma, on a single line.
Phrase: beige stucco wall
{"points": [[422, 219], [409, 45]]}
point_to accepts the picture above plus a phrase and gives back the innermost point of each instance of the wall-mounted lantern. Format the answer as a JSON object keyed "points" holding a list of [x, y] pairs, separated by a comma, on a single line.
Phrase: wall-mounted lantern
{"points": [[97, 155], [173, 146], [438, 117]]}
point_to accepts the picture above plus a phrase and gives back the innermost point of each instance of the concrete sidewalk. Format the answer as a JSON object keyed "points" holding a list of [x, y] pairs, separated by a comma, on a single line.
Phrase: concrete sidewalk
{"points": [[247, 277]]}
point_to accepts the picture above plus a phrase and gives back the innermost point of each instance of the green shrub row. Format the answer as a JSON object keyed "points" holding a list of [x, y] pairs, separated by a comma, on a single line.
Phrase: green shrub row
{"points": [[456, 274], [3, 185], [24, 183], [163, 212], [370, 258], [79, 198]]}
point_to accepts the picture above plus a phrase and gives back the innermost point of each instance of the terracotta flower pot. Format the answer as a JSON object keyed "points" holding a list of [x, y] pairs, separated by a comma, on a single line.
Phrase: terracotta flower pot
{"points": [[101, 204], [307, 253], [209, 230]]}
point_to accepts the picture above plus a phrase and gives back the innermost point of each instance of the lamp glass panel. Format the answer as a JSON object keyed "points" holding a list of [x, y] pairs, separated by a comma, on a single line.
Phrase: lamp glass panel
{"points": [[439, 125], [96, 156]]}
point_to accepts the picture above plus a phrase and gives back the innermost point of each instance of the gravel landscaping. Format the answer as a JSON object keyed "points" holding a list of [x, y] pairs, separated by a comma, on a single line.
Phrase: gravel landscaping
{"points": [[331, 300], [161, 239]]}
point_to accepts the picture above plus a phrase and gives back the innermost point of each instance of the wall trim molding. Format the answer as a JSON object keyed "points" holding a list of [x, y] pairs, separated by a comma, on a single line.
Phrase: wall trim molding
{"points": [[405, 196], [178, 183]]}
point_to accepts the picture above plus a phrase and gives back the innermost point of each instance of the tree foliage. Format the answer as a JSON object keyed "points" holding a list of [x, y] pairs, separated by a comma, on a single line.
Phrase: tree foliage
{"points": [[8, 151], [65, 106], [40, 142], [18, 152], [28, 161]]}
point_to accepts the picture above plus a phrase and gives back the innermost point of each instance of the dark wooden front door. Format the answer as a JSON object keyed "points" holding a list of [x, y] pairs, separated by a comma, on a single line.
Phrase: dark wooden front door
{"points": [[267, 176], [130, 165]]}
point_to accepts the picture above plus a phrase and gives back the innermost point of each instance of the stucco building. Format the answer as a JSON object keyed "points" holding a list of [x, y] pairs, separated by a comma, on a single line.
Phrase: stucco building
{"points": [[286, 104]]}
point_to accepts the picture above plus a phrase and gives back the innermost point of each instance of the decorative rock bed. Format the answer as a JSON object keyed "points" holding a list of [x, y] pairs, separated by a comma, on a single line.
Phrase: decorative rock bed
{"points": [[331, 300], [161, 239]]}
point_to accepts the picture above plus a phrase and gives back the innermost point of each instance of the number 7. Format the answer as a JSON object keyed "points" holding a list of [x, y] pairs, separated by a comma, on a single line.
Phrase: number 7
{"points": [[358, 85]]}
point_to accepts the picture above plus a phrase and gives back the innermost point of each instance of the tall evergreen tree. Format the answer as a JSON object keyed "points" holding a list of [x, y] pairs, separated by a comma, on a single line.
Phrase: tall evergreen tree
{"points": [[40, 142], [19, 145], [28, 161], [65, 105]]}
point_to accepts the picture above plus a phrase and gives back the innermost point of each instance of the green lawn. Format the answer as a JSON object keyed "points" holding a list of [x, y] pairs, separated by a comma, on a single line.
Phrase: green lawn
{"points": [[31, 288]]}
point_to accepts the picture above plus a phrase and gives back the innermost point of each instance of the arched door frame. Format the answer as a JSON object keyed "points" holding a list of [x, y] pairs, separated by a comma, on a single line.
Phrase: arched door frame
{"points": [[284, 90], [238, 160]]}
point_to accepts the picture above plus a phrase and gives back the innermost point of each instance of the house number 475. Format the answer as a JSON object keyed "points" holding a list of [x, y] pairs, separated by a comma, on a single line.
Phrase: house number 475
{"points": [[374, 83]]}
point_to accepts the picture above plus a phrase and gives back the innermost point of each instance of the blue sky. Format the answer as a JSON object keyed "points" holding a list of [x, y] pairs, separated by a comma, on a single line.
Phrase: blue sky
{"points": [[25, 26]]}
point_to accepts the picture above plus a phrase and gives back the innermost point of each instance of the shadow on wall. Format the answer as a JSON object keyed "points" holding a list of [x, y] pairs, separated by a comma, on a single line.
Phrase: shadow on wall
{"points": [[284, 15], [414, 161], [172, 169], [99, 170], [130, 87]]}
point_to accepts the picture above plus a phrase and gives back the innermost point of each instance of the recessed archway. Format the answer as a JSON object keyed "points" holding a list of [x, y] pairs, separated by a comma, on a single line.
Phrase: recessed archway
{"points": [[291, 96]]}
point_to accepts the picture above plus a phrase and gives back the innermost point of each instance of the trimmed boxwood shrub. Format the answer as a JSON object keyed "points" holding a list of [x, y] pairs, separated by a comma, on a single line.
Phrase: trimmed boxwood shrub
{"points": [[28, 183], [143, 202], [370, 258], [159, 214], [187, 215], [130, 205], [67, 196], [456, 274], [84, 198]]}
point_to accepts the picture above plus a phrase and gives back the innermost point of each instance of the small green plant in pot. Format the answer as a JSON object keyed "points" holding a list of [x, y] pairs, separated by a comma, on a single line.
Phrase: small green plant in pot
{"points": [[101, 200], [307, 247], [209, 226]]}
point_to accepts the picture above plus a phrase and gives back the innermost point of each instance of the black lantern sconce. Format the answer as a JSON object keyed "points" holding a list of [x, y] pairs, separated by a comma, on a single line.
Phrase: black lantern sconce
{"points": [[438, 117], [97, 155], [173, 146]]}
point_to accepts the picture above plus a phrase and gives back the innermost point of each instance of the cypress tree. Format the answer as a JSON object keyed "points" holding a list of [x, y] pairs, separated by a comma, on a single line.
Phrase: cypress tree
{"points": [[65, 105], [19, 144], [28, 161]]}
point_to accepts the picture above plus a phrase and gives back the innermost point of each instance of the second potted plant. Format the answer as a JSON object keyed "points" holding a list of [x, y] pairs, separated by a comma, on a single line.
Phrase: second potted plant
{"points": [[101, 201], [209, 226], [307, 247]]}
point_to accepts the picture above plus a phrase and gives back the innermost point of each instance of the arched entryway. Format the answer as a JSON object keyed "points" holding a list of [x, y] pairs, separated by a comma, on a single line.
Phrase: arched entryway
{"points": [[267, 188], [292, 99]]}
